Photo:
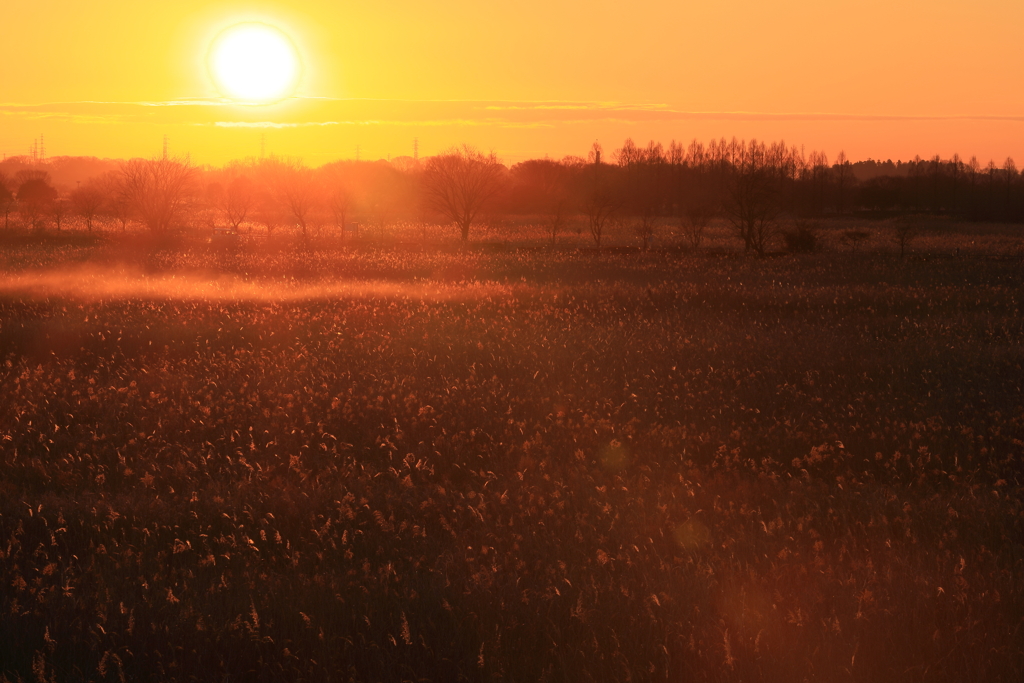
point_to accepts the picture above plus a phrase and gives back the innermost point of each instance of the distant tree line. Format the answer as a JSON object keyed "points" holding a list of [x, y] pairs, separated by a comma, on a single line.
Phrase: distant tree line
{"points": [[754, 187]]}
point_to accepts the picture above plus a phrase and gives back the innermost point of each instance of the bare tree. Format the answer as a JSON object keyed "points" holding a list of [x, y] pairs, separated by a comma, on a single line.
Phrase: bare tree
{"points": [[905, 230], [1010, 177], [380, 209], [647, 221], [694, 222], [340, 202], [642, 178], [35, 195], [819, 180], [298, 194], [293, 188], [115, 203], [88, 200], [120, 210], [754, 199], [558, 213], [59, 209], [599, 205], [545, 187], [459, 182], [6, 198], [237, 201], [956, 169], [844, 177], [973, 167], [157, 190], [268, 212]]}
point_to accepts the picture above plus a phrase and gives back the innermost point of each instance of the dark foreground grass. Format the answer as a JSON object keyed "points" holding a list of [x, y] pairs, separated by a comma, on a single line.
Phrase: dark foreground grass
{"points": [[374, 466]]}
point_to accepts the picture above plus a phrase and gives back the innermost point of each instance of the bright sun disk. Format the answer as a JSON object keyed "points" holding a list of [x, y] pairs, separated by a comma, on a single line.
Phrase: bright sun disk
{"points": [[254, 62]]}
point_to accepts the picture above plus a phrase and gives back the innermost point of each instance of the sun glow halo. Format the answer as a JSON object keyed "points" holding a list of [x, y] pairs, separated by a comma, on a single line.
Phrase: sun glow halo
{"points": [[254, 62]]}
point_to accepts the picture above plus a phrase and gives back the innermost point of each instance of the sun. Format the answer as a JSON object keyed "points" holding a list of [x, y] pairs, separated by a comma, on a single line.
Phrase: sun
{"points": [[254, 63]]}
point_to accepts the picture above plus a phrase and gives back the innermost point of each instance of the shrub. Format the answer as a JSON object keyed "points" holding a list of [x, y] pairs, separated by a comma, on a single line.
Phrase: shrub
{"points": [[802, 239]]}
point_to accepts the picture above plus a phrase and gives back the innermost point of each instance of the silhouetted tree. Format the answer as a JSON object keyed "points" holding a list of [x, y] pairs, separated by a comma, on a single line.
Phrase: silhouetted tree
{"points": [[643, 174], [59, 209], [754, 199], [459, 182], [268, 212], [88, 200], [844, 177], [972, 178], [600, 202], [120, 210], [694, 222], [647, 221], [1009, 179], [935, 171], [881, 193], [819, 181], [917, 169], [298, 193], [340, 204], [904, 230], [289, 192], [35, 196], [237, 201], [6, 199], [543, 187], [992, 172], [157, 190], [956, 168]]}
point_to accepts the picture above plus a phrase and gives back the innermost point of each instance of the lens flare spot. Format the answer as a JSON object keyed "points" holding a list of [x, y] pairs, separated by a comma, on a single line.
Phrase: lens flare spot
{"points": [[614, 456], [692, 534]]}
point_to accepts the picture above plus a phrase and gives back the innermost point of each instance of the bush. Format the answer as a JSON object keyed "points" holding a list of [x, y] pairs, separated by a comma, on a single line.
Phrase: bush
{"points": [[855, 237], [802, 239]]}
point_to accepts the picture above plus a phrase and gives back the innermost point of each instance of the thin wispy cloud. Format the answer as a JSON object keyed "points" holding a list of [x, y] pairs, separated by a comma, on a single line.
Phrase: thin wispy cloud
{"points": [[315, 111]]}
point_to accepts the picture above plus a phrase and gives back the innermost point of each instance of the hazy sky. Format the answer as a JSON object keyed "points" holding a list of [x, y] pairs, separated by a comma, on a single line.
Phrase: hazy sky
{"points": [[885, 79]]}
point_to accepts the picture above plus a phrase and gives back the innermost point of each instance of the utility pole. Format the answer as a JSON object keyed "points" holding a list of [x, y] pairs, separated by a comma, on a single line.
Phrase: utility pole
{"points": [[42, 147], [416, 149]]}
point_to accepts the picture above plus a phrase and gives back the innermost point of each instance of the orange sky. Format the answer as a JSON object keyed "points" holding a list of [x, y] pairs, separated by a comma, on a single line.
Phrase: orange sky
{"points": [[882, 79]]}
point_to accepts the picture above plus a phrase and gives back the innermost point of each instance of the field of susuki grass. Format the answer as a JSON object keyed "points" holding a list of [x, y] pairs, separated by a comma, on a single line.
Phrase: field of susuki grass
{"points": [[264, 464]]}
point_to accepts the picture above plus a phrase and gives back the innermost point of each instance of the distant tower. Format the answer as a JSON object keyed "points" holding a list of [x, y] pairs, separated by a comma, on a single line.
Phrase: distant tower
{"points": [[416, 149], [165, 148], [42, 147]]}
